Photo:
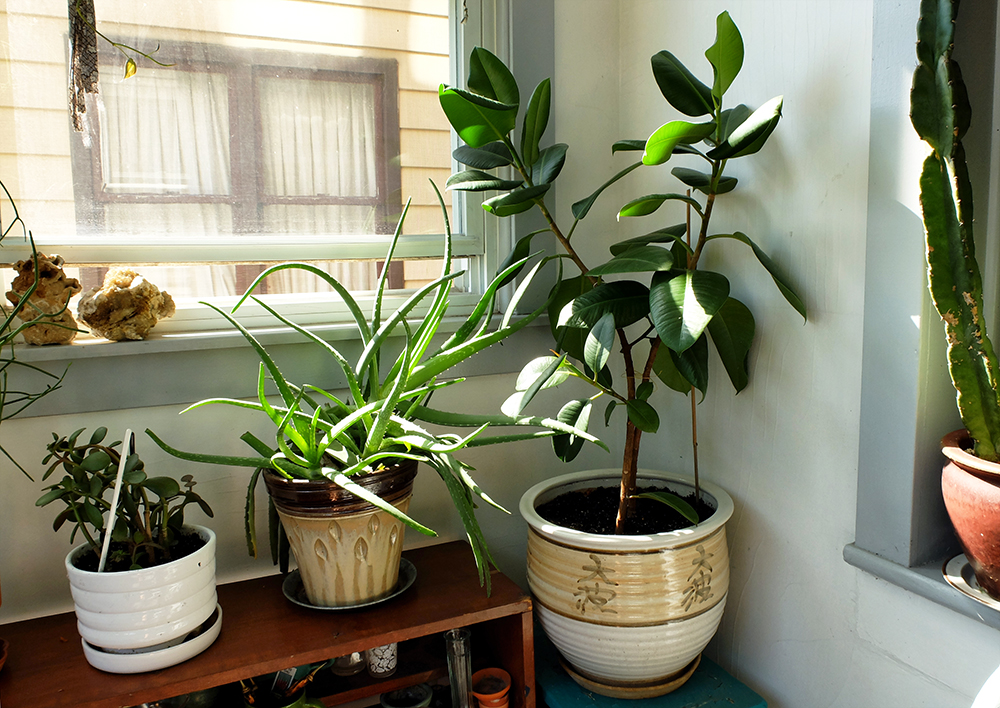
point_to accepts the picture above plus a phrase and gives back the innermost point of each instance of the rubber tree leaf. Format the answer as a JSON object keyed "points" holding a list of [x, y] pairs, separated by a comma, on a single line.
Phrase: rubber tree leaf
{"points": [[521, 250], [612, 404], [582, 207], [674, 502], [549, 164], [681, 306], [543, 366], [751, 135], [490, 77], [692, 364], [651, 202], [627, 146], [568, 339], [732, 118], [536, 119], [780, 280], [478, 181], [725, 56], [577, 414], [638, 259], [516, 202], [732, 331], [627, 300], [660, 145], [477, 120], [487, 157], [669, 234], [703, 182], [644, 390], [679, 86], [642, 415], [540, 382], [600, 341], [667, 372]]}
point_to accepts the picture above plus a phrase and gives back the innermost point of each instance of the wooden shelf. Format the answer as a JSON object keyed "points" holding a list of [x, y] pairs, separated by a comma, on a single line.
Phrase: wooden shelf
{"points": [[262, 632]]}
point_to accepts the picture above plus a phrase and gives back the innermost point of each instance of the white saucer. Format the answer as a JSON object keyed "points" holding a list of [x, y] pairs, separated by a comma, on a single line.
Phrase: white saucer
{"points": [[959, 575]]}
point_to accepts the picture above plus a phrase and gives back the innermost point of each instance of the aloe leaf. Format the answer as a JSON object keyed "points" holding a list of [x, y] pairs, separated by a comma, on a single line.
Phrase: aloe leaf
{"points": [[383, 278], [234, 461], [582, 207], [536, 119], [681, 306], [679, 86], [376, 434], [345, 482], [439, 417], [725, 56]]}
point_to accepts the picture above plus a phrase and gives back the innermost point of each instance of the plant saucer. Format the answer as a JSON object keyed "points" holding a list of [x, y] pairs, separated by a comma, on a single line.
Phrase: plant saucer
{"points": [[296, 593], [960, 576]]}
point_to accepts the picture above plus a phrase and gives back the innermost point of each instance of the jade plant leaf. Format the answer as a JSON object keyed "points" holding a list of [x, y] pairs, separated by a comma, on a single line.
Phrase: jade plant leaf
{"points": [[681, 306], [679, 86]]}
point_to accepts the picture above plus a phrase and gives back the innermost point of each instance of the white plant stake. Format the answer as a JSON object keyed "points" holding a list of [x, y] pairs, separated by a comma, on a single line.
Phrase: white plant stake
{"points": [[126, 453]]}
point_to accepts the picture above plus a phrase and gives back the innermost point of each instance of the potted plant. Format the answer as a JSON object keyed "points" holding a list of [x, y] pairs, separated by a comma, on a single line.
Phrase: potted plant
{"points": [[143, 582], [340, 470], [940, 113], [601, 591]]}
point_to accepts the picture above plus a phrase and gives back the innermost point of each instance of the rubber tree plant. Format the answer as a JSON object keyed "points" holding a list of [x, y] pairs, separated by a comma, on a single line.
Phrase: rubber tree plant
{"points": [[940, 113], [652, 298], [383, 418]]}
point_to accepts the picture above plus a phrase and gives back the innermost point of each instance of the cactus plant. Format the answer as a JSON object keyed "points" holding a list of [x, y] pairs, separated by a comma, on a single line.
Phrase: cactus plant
{"points": [[940, 113]]}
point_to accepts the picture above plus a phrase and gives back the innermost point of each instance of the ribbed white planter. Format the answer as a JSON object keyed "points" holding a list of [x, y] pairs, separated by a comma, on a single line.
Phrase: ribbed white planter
{"points": [[143, 611], [628, 612]]}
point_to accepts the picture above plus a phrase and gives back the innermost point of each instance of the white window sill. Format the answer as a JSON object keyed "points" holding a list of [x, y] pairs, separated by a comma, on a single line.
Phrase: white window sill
{"points": [[170, 369]]}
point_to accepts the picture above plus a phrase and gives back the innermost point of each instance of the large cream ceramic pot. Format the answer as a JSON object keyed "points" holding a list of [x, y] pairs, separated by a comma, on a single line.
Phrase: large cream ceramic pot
{"points": [[629, 613], [347, 550], [144, 611]]}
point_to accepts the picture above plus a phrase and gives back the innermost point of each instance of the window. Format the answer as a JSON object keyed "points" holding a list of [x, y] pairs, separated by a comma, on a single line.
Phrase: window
{"points": [[292, 130]]}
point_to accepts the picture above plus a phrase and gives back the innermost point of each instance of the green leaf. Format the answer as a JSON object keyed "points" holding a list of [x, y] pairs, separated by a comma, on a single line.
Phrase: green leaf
{"points": [[477, 120], [520, 200], [599, 343], [521, 250], [477, 181], [680, 87], [543, 366], [577, 414], [549, 164], [931, 103], [568, 339], [49, 496], [628, 146], [674, 502], [96, 461], [670, 234], [582, 207], [751, 135], [703, 182], [666, 371], [681, 306], [93, 515], [651, 202], [97, 436], [488, 76], [780, 280], [536, 119], [626, 299], [660, 145], [644, 390], [163, 487], [642, 415], [732, 118], [693, 364], [732, 331], [725, 56], [130, 68], [608, 411], [638, 259], [487, 157]]}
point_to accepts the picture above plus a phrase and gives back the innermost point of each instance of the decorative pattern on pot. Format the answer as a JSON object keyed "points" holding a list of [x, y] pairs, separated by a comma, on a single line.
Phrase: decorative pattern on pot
{"points": [[971, 490], [347, 550], [628, 609]]}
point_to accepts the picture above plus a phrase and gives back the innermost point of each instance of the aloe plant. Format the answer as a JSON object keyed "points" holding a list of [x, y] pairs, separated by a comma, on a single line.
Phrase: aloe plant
{"points": [[662, 323], [382, 419], [940, 113]]}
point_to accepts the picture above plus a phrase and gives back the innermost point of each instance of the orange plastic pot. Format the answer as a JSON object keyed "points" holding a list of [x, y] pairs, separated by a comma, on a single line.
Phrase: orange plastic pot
{"points": [[490, 687]]}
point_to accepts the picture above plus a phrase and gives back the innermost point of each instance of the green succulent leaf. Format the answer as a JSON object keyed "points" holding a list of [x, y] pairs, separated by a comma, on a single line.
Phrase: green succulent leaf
{"points": [[536, 119], [651, 202], [660, 145], [599, 343], [549, 164], [725, 56], [582, 207], [642, 415], [681, 306], [680, 87], [732, 331], [92, 515], [752, 133], [97, 460], [95, 438], [638, 259], [669, 234], [516, 202], [487, 157], [478, 181]]}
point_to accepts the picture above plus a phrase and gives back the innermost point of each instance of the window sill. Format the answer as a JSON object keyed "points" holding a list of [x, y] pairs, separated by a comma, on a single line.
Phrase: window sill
{"points": [[172, 369], [925, 580]]}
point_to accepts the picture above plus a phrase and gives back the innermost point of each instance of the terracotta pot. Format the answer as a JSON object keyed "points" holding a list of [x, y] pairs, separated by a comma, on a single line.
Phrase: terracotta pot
{"points": [[490, 687], [628, 613], [347, 550], [971, 490]]}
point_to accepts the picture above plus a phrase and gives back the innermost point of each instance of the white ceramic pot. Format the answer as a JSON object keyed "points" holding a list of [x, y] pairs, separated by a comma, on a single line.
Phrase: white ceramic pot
{"points": [[145, 610], [628, 612]]}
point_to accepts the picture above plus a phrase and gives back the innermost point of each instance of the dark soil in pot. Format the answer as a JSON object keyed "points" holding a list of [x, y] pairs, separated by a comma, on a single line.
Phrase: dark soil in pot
{"points": [[120, 561], [594, 510]]}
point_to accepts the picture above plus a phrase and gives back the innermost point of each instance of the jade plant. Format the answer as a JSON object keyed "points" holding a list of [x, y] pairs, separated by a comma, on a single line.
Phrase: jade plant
{"points": [[147, 521], [653, 298], [383, 418], [940, 113]]}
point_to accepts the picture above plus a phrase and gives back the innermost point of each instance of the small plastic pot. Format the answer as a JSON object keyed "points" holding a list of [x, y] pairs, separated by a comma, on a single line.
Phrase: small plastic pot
{"points": [[490, 687]]}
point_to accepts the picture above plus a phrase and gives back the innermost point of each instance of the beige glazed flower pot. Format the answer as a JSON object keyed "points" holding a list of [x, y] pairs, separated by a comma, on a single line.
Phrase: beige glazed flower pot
{"points": [[630, 614]]}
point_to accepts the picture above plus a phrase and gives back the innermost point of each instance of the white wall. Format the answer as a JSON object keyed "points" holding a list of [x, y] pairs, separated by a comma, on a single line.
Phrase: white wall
{"points": [[803, 628]]}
